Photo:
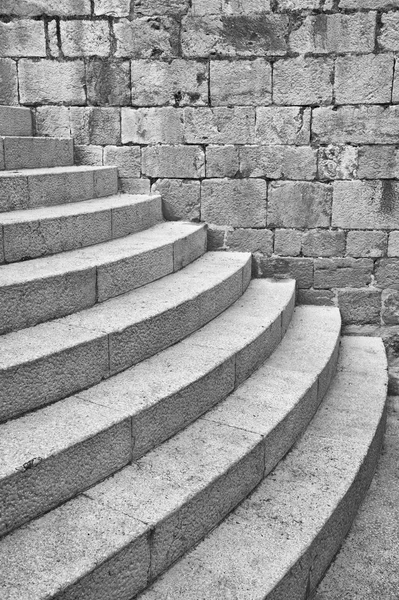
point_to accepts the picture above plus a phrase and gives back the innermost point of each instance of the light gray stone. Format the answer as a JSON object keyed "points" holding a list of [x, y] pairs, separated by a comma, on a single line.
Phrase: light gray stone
{"points": [[283, 125], [85, 38], [152, 125], [299, 204], [173, 162], [365, 205], [51, 82], [235, 202], [363, 79], [220, 125], [299, 81], [240, 82]]}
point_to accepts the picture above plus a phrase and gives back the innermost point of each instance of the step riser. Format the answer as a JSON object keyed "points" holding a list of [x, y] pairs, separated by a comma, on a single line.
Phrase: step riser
{"points": [[32, 153], [15, 120], [31, 385], [18, 191], [41, 300], [36, 238]]}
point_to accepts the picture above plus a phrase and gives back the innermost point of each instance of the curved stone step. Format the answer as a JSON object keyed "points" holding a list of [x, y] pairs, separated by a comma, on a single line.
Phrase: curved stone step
{"points": [[54, 360], [280, 541], [29, 188], [15, 120], [56, 452], [169, 499], [48, 288], [25, 152], [42, 231]]}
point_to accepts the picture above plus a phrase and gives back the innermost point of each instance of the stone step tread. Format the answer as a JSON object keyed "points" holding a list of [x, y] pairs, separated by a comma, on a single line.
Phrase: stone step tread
{"points": [[15, 121], [151, 401], [52, 360], [279, 542], [170, 498], [21, 152], [43, 171]]}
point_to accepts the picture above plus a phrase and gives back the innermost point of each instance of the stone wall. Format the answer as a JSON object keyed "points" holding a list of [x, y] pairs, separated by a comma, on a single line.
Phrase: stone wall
{"points": [[273, 120]]}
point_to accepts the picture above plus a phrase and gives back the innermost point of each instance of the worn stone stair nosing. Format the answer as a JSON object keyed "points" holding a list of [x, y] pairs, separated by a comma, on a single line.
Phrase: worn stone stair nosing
{"points": [[44, 231], [52, 287], [279, 542], [52, 454], [201, 474], [28, 152], [16, 121], [51, 361]]}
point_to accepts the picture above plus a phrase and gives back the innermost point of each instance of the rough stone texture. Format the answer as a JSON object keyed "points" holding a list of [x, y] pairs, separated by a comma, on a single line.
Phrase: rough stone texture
{"points": [[252, 240], [132, 185], [180, 198], [389, 36], [50, 82], [152, 125], [159, 7], [316, 297], [299, 81], [282, 125], [108, 82], [338, 162], [183, 162], [360, 306], [219, 125], [323, 243], [8, 81], [146, 36], [393, 245], [222, 161], [387, 273], [241, 82], [287, 242], [363, 79], [365, 205], [299, 204], [278, 162], [371, 244], [61, 8], [126, 158], [52, 121], [88, 155], [235, 202], [85, 38], [96, 126], [342, 272], [390, 307], [22, 38], [378, 162], [113, 8], [300, 269]]}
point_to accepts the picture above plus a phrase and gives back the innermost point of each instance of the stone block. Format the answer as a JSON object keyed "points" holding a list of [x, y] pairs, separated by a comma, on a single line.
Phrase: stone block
{"points": [[241, 82], [393, 245], [8, 81], [290, 5], [175, 83], [88, 155], [283, 125], [278, 162], [222, 161], [14, 193], [316, 297], [97, 126], [52, 121], [300, 269], [52, 37], [337, 162], [85, 38], [2, 162], [108, 82], [342, 272], [363, 79], [180, 198], [359, 306], [325, 33], [126, 158], [323, 243], [219, 125], [216, 7], [390, 307], [287, 242], [60, 8], [152, 126], [387, 273], [175, 162], [147, 37], [371, 244], [22, 38], [250, 240], [131, 185], [49, 82], [298, 81], [369, 4], [388, 38], [366, 204], [378, 162], [299, 204], [234, 202], [112, 8], [216, 237], [160, 7]]}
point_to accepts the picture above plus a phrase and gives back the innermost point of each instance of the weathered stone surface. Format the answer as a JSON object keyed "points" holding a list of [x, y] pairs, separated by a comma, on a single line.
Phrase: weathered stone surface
{"points": [[363, 79], [173, 162], [316, 297], [378, 162], [219, 125], [152, 125], [300, 269], [159, 7], [131, 185], [323, 243], [48, 82], [108, 82], [366, 204], [180, 198], [241, 82], [278, 162], [215, 7], [299, 204], [335, 33], [387, 273], [175, 83], [360, 306], [8, 81], [98, 126], [342, 272], [282, 125], [235, 202], [390, 307], [216, 237], [147, 37], [112, 8], [250, 240], [126, 158], [393, 245], [371, 244], [61, 8], [287, 242], [22, 38], [222, 161], [301, 4], [52, 121], [85, 38], [337, 162], [52, 36], [368, 4], [388, 38], [298, 81], [259, 34], [88, 155]]}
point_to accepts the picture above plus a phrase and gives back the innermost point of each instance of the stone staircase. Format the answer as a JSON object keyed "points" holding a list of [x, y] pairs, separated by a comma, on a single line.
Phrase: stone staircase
{"points": [[169, 429]]}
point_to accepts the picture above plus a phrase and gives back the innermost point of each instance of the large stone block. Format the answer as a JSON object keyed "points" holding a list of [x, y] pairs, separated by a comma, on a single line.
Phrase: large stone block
{"points": [[300, 269], [316, 297], [22, 38], [180, 198], [98, 126], [387, 273], [369, 4], [60, 8], [283, 125], [85, 38], [260, 34], [388, 38], [378, 162], [159, 7], [250, 240], [366, 204], [393, 245], [51, 82], [178, 162], [278, 162], [287, 242], [147, 37], [371, 244], [113, 8], [222, 161], [177, 83], [390, 307], [152, 125], [8, 81], [126, 158], [342, 272], [299, 204], [235, 202], [108, 82], [359, 306], [88, 155], [337, 162], [219, 125], [53, 121], [298, 81], [216, 7], [363, 79], [241, 82], [323, 243]]}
